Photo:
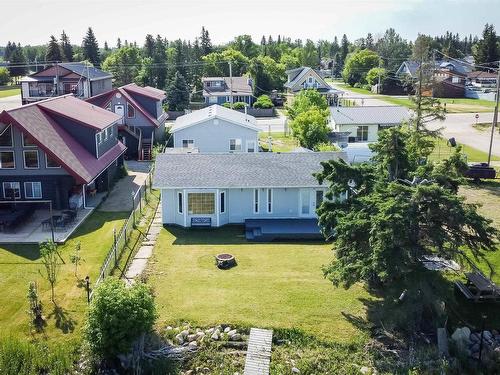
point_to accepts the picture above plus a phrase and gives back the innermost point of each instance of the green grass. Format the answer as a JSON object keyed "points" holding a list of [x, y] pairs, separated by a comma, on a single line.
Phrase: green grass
{"points": [[20, 264], [9, 92], [278, 285], [442, 151], [459, 105], [280, 141], [482, 126]]}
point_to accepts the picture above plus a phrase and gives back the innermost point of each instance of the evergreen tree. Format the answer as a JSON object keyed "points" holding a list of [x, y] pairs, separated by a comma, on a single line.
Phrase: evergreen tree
{"points": [[487, 50], [369, 43], [91, 48], [106, 47], [334, 47], [149, 46], [160, 62], [53, 53], [178, 93], [118, 43], [17, 60], [205, 42], [263, 48], [66, 47], [344, 49]]}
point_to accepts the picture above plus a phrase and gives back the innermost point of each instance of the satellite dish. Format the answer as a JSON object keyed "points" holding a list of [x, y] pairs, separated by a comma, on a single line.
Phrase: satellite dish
{"points": [[351, 183]]}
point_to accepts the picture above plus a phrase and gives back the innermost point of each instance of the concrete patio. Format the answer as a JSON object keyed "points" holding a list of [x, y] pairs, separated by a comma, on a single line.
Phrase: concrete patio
{"points": [[33, 232]]}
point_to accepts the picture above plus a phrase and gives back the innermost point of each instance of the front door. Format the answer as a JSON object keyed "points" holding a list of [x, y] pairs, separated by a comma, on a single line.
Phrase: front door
{"points": [[307, 203], [120, 110]]}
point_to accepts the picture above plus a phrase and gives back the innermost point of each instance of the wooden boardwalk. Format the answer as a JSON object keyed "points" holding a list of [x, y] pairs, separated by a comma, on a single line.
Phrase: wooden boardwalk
{"points": [[258, 352]]}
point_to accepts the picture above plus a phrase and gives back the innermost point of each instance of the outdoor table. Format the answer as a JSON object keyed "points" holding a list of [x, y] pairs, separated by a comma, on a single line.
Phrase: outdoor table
{"points": [[486, 289]]}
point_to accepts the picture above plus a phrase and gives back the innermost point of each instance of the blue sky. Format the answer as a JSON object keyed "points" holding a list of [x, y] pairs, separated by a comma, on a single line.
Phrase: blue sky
{"points": [[32, 21]]}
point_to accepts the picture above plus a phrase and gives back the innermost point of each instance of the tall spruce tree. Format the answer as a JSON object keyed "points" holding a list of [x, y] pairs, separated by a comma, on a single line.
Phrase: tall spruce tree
{"points": [[178, 93], [205, 42], [17, 61], [53, 53], [487, 50], [66, 47], [91, 48]]}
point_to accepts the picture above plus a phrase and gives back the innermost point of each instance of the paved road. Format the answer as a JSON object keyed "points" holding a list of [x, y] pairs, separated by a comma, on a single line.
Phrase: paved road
{"points": [[459, 126], [10, 102], [360, 99]]}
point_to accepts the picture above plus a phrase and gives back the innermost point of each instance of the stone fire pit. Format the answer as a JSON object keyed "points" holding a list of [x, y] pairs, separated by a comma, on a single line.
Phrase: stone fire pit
{"points": [[225, 261]]}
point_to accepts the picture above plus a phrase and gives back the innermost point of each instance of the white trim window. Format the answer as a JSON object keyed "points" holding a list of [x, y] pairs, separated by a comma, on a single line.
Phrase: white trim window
{"points": [[6, 135], [7, 160], [251, 146], [180, 203], [31, 159], [130, 111], [235, 144], [222, 202], [33, 190], [188, 143], [269, 203], [12, 190], [51, 163], [98, 138], [28, 141], [256, 194]]}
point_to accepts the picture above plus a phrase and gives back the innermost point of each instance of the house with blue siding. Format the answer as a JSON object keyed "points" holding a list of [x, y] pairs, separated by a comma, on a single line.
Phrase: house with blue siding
{"points": [[216, 129], [142, 118], [220, 90], [275, 195], [61, 150]]}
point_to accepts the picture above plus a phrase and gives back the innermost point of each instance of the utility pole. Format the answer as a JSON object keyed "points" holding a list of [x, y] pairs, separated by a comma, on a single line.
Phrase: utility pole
{"points": [[231, 84], [379, 70], [495, 114]]}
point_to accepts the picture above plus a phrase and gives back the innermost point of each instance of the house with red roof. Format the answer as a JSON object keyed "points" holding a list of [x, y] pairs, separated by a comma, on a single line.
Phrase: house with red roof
{"points": [[142, 118], [61, 150]]}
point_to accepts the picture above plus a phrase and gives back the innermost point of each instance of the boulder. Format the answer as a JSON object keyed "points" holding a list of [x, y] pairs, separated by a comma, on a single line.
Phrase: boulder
{"points": [[215, 336], [461, 336], [231, 332], [169, 328], [200, 335], [179, 338], [235, 337], [185, 333], [475, 348], [192, 337], [210, 331], [365, 370], [474, 337], [193, 345], [227, 329], [487, 335], [295, 370]]}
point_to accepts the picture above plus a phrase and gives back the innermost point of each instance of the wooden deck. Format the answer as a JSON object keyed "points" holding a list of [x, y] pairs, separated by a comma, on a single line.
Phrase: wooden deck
{"points": [[282, 229], [259, 352]]}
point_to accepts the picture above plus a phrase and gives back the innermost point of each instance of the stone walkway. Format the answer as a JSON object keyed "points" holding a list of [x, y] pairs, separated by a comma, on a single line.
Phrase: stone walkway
{"points": [[140, 261]]}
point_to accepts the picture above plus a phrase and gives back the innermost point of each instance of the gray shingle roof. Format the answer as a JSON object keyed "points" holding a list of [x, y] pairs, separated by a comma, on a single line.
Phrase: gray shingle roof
{"points": [[244, 170], [81, 69], [383, 115]]}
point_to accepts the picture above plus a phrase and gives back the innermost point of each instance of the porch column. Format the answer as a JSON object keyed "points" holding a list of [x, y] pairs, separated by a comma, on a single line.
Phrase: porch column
{"points": [[217, 205], [83, 195]]}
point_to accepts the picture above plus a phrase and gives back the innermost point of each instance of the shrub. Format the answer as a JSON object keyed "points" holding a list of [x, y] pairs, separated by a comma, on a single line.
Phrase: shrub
{"points": [[310, 128], [239, 105], [226, 105], [325, 147], [263, 102], [4, 76], [118, 315]]}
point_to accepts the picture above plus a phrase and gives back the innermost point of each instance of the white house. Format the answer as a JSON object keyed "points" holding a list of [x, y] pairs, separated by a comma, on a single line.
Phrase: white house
{"points": [[305, 78], [362, 124], [216, 129], [275, 195]]}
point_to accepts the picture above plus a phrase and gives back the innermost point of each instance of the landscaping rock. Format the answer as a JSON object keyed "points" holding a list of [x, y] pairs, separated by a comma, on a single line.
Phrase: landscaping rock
{"points": [[227, 329], [365, 370], [235, 337], [192, 337], [295, 370], [185, 333], [461, 334], [193, 345], [231, 332], [200, 335], [179, 338], [215, 336], [487, 335], [474, 337], [210, 331]]}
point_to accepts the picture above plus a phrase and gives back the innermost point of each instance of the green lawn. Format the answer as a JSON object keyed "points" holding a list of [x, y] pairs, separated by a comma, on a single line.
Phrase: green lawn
{"points": [[460, 105], [20, 264], [280, 141], [277, 285], [9, 92], [442, 151]]}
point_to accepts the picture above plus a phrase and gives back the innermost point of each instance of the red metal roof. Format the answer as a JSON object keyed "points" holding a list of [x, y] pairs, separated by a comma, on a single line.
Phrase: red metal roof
{"points": [[85, 113], [147, 91], [35, 121]]}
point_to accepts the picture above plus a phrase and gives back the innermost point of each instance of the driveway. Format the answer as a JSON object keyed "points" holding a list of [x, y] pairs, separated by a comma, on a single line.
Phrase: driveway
{"points": [[273, 124], [119, 199], [360, 99], [10, 102], [459, 126]]}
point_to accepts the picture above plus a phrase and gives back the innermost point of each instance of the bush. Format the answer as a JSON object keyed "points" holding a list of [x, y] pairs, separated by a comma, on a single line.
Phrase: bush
{"points": [[118, 315], [311, 128], [263, 102], [326, 146], [239, 105], [226, 105]]}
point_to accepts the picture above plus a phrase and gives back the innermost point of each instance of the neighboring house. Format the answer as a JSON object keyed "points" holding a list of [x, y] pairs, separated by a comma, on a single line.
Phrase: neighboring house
{"points": [[216, 129], [142, 118], [217, 90], [274, 194], [449, 77], [60, 149], [362, 124], [482, 80], [65, 78], [305, 78]]}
